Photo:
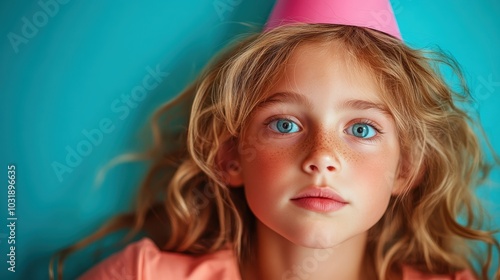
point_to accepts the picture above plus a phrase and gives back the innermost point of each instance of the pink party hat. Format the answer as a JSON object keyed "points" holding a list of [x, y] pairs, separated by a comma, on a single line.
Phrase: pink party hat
{"points": [[374, 14]]}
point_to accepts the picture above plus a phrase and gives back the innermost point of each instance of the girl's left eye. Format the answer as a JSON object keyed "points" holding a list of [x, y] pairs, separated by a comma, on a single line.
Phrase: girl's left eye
{"points": [[284, 126], [362, 130]]}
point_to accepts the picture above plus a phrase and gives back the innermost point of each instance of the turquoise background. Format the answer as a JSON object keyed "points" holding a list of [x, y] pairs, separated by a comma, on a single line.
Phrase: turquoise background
{"points": [[70, 74]]}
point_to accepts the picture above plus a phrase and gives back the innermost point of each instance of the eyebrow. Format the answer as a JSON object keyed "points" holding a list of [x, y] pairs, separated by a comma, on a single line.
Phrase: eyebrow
{"points": [[286, 97], [292, 97], [365, 105]]}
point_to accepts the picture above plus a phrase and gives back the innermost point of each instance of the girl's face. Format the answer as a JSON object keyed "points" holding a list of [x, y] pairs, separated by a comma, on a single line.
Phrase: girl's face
{"points": [[321, 153]]}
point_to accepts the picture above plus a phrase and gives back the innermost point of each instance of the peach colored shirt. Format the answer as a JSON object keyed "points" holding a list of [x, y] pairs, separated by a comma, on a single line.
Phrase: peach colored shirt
{"points": [[143, 260]]}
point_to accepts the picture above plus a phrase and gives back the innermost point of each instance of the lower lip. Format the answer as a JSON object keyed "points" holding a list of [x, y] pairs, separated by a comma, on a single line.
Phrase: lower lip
{"points": [[319, 204]]}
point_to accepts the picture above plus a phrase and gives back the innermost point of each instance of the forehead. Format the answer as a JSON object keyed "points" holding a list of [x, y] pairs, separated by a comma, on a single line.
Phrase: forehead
{"points": [[327, 66], [332, 54]]}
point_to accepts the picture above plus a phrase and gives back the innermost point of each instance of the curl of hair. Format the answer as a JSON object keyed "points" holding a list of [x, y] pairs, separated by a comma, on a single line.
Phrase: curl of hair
{"points": [[185, 206]]}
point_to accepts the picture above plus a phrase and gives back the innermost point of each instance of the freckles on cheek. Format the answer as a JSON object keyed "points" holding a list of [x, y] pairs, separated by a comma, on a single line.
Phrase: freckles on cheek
{"points": [[272, 160], [267, 177], [270, 165]]}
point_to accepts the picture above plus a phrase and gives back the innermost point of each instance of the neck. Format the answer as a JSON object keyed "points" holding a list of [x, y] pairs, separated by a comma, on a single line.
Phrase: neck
{"points": [[277, 258]]}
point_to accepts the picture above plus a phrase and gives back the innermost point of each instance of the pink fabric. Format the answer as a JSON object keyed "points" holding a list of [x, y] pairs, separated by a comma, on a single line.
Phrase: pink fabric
{"points": [[409, 273], [143, 260], [375, 14]]}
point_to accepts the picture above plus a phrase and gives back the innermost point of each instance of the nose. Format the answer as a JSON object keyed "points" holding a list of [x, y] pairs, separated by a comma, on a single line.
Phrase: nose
{"points": [[319, 164], [321, 158]]}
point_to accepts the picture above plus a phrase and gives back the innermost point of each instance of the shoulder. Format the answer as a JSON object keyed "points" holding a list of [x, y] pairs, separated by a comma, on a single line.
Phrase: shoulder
{"points": [[143, 260], [413, 274]]}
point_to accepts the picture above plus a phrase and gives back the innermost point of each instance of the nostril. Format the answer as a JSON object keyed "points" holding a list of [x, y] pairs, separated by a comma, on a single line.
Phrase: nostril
{"points": [[313, 167]]}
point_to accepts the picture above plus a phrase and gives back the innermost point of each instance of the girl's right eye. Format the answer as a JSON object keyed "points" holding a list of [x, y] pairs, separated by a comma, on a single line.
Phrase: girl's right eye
{"points": [[284, 126]]}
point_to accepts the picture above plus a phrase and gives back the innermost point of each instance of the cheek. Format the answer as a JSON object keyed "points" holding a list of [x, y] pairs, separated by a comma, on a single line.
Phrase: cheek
{"points": [[268, 157], [377, 171], [381, 170], [267, 175], [267, 165], [377, 162], [373, 181]]}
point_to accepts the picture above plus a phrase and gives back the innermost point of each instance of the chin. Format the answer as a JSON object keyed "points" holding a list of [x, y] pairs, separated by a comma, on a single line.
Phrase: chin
{"points": [[318, 240]]}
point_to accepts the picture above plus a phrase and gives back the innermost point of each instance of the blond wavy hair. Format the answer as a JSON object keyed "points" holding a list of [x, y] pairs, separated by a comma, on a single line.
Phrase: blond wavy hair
{"points": [[185, 206]]}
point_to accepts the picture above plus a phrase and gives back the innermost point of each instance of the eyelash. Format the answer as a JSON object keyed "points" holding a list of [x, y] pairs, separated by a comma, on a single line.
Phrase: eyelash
{"points": [[370, 123], [276, 118], [359, 121]]}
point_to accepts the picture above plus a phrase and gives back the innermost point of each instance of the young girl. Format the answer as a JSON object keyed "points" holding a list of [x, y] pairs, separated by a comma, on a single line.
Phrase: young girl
{"points": [[313, 151]]}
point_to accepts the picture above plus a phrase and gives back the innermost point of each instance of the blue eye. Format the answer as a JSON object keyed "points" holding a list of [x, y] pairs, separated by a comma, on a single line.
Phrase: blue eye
{"points": [[284, 126], [362, 130]]}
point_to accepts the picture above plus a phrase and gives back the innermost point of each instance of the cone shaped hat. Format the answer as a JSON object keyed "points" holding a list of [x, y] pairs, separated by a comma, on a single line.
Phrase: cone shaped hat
{"points": [[374, 14]]}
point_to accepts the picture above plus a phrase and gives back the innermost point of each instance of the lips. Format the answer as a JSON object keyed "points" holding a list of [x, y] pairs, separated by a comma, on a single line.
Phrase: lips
{"points": [[319, 199]]}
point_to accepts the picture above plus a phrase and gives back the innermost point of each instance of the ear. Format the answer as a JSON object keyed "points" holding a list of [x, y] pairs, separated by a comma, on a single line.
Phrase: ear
{"points": [[400, 185], [406, 169], [229, 163]]}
